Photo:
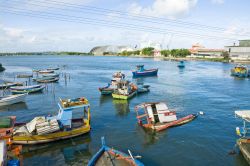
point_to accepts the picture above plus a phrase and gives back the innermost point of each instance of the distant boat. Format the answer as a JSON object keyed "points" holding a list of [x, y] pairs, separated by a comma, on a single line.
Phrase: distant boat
{"points": [[12, 99], [9, 84], [24, 75], [26, 89], [47, 79], [240, 71], [124, 90], [107, 156], [142, 88], [140, 71], [181, 64], [45, 71], [50, 75], [55, 68], [158, 117]]}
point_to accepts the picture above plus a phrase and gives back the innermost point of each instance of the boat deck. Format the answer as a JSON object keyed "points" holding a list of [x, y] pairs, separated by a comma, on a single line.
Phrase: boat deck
{"points": [[108, 159], [245, 149]]}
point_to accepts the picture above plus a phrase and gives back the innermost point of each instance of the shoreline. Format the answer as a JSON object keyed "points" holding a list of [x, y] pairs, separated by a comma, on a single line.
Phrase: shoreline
{"points": [[144, 56]]}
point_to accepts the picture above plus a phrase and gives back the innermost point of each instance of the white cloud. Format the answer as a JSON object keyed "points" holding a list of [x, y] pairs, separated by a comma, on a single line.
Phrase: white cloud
{"points": [[165, 8], [218, 1]]}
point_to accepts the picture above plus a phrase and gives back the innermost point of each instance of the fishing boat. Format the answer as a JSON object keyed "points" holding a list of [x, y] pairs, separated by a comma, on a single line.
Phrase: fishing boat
{"points": [[24, 75], [47, 79], [12, 99], [7, 85], [50, 75], [53, 68], [119, 75], [107, 156], [158, 117], [125, 90], [244, 141], [140, 71], [141, 88], [45, 71], [181, 64], [26, 89], [53, 128], [240, 71], [109, 89]]}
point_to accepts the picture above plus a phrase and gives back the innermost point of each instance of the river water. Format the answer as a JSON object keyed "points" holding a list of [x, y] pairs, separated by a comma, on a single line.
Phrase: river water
{"points": [[201, 86]]}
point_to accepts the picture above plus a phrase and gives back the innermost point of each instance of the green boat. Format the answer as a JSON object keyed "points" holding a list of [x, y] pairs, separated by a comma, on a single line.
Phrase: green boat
{"points": [[124, 91]]}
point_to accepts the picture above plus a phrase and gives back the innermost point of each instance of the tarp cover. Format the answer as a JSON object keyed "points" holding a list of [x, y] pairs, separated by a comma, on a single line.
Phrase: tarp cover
{"points": [[244, 114]]}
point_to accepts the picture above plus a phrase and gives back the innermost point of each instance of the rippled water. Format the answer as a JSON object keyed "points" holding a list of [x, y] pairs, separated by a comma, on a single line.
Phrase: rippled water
{"points": [[201, 86]]}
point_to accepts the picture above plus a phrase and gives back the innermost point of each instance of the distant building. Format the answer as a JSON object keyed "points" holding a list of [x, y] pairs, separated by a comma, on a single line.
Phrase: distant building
{"points": [[240, 52], [110, 49], [198, 50]]}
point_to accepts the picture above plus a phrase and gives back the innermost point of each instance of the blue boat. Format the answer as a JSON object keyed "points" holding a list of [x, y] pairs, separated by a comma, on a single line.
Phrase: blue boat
{"points": [[181, 64], [140, 71], [107, 156]]}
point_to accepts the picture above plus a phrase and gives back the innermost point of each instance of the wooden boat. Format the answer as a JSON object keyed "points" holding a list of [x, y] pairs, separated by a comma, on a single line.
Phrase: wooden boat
{"points": [[107, 156], [141, 88], [12, 99], [27, 133], [181, 64], [124, 90], [50, 75], [26, 89], [7, 85], [24, 75], [109, 89], [240, 71], [158, 117], [47, 79], [140, 71], [244, 141], [119, 75], [53, 68], [45, 71]]}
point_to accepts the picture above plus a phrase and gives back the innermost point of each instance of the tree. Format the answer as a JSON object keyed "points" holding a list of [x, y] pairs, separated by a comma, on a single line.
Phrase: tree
{"points": [[225, 55], [165, 53], [149, 51]]}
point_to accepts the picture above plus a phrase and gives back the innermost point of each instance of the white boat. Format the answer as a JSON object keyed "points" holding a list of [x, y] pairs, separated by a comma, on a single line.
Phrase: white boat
{"points": [[50, 75], [12, 99]]}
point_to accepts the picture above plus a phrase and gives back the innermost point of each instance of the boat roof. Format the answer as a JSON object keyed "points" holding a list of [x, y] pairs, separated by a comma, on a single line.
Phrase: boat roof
{"points": [[78, 104], [244, 114], [143, 105]]}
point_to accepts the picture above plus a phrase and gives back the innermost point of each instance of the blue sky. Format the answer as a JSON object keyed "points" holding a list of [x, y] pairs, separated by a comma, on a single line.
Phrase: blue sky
{"points": [[224, 20]]}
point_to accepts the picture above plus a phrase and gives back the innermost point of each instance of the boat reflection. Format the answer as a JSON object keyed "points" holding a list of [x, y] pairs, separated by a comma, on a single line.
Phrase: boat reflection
{"points": [[121, 107], [150, 137], [105, 99], [14, 107], [67, 152]]}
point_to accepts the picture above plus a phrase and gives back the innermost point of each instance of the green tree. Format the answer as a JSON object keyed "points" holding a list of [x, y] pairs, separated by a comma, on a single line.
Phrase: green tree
{"points": [[149, 51], [165, 53]]}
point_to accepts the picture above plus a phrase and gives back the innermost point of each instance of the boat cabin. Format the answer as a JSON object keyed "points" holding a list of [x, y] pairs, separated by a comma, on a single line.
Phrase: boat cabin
{"points": [[119, 75], [66, 107], [140, 68], [152, 113], [123, 87], [245, 116]]}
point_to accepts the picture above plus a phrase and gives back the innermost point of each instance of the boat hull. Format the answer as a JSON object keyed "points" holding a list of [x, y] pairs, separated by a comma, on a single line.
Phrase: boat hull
{"points": [[39, 139], [244, 144], [13, 99], [106, 91], [123, 97], [34, 90], [175, 123], [151, 72]]}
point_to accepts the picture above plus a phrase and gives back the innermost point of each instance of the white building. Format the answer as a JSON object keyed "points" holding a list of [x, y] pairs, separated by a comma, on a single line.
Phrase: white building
{"points": [[240, 52]]}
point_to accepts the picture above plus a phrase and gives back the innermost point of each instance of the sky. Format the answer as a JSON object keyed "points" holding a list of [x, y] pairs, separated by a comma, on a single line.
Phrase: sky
{"points": [[80, 25]]}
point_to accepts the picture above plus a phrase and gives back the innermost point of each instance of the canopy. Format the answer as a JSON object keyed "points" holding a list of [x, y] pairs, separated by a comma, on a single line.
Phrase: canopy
{"points": [[244, 114]]}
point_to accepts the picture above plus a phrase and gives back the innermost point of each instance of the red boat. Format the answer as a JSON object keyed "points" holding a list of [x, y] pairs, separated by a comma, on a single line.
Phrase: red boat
{"points": [[158, 117]]}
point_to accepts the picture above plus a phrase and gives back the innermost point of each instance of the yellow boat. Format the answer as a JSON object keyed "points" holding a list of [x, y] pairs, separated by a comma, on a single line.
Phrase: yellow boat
{"points": [[69, 127]]}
